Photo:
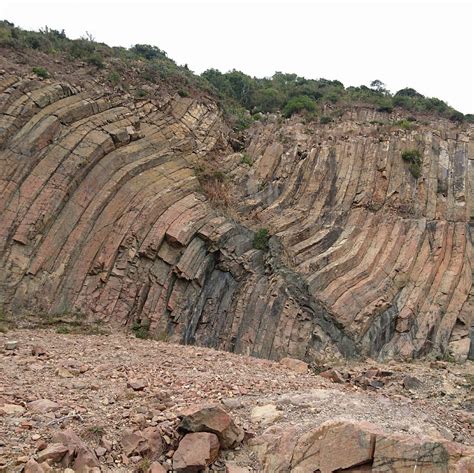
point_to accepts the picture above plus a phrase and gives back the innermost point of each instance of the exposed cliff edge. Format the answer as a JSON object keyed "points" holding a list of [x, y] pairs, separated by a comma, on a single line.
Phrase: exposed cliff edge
{"points": [[102, 214]]}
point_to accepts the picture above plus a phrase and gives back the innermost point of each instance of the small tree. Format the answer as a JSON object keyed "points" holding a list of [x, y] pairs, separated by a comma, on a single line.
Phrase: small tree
{"points": [[378, 85]]}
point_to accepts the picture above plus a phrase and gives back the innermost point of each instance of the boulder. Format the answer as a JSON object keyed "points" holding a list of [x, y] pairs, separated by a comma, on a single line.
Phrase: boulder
{"points": [[333, 375], [32, 466], [333, 446], [156, 467], [195, 452], [81, 457], [147, 442], [54, 452], [137, 384], [266, 414], [295, 365], [12, 409], [42, 406], [11, 344], [212, 418]]}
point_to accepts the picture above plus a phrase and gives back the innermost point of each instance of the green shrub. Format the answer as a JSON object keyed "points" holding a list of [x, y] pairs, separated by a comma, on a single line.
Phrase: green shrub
{"points": [[405, 124], [325, 119], [385, 109], [114, 78], [183, 93], [140, 93], [298, 104], [141, 329], [415, 160], [260, 240], [246, 159], [96, 60], [41, 72]]}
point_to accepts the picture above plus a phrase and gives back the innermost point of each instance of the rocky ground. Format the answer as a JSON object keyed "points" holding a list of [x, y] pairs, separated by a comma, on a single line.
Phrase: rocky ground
{"points": [[104, 387]]}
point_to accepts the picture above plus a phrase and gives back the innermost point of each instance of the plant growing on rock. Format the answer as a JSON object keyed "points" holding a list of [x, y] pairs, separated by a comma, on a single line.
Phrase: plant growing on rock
{"points": [[41, 72], [260, 240], [246, 159], [415, 160], [141, 328]]}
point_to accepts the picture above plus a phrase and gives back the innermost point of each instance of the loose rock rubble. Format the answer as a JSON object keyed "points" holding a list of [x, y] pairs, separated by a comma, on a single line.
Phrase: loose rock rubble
{"points": [[198, 408]]}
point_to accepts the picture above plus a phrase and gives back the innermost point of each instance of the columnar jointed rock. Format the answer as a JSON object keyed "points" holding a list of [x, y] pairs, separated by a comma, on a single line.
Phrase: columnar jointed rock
{"points": [[102, 214]]}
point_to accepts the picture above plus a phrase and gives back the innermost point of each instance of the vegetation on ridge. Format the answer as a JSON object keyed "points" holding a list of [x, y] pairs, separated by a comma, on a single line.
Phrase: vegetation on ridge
{"points": [[243, 98]]}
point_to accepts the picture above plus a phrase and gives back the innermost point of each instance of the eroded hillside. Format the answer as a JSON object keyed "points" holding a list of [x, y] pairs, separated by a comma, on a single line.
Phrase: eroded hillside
{"points": [[108, 212]]}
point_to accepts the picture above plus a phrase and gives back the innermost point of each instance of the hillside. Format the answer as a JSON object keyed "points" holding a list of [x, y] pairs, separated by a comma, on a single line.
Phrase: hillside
{"points": [[223, 273], [294, 236]]}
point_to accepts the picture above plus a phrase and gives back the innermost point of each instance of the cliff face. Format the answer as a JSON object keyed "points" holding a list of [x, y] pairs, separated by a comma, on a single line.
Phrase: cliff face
{"points": [[102, 214]]}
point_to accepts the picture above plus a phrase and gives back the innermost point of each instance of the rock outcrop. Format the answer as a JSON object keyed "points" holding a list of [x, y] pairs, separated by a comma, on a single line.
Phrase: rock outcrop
{"points": [[103, 215]]}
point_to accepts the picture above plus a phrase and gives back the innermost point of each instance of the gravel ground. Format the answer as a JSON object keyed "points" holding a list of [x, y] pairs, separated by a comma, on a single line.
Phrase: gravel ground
{"points": [[105, 384]]}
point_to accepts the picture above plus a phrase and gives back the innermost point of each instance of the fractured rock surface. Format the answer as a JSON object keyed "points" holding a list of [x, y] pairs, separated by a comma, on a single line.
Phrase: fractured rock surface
{"points": [[102, 214]]}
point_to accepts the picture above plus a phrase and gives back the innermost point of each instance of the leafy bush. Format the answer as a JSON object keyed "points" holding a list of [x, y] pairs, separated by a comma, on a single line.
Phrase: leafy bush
{"points": [[141, 329], [414, 159], [325, 119], [41, 72], [260, 241], [114, 78], [96, 60], [405, 124], [298, 104], [246, 159]]}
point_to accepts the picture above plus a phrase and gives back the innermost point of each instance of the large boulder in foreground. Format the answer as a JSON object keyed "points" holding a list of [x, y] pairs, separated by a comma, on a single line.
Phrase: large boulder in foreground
{"points": [[195, 452], [212, 418], [357, 446]]}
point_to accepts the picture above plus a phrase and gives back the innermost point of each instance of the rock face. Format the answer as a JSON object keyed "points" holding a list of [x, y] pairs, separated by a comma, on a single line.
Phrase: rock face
{"points": [[102, 214], [350, 446]]}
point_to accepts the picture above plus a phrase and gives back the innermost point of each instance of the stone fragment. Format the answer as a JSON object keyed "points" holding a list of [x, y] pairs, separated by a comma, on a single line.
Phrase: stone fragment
{"points": [[64, 373], [11, 344], [333, 375], [231, 467], [147, 442], [32, 466], [79, 455], [411, 383], [137, 384], [12, 409], [212, 418], [298, 366], [38, 350], [54, 452], [195, 452], [266, 414], [156, 467], [43, 405]]}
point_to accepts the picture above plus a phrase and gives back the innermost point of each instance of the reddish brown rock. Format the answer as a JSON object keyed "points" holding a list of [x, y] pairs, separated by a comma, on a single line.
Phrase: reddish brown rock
{"points": [[332, 375], [295, 365], [137, 384], [147, 442], [54, 452], [212, 418], [43, 405], [32, 466], [156, 467], [195, 452]]}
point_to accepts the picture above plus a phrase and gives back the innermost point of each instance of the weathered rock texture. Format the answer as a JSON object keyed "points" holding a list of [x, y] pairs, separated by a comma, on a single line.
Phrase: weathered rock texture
{"points": [[388, 256], [102, 215]]}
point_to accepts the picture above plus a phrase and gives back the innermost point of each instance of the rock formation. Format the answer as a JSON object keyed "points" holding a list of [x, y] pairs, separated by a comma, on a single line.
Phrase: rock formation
{"points": [[103, 215]]}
